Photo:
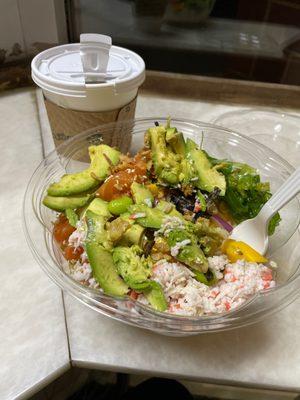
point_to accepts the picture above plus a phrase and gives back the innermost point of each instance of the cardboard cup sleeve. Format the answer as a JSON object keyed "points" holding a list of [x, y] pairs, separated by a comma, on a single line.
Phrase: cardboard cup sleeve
{"points": [[66, 123]]}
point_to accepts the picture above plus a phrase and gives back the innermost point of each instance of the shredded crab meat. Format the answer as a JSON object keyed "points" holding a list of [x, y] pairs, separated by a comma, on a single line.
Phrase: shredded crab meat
{"points": [[77, 238], [186, 296], [81, 270], [237, 282]]}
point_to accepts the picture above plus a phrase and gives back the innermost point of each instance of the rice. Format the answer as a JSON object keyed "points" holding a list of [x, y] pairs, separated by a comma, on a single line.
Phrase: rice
{"points": [[187, 296]]}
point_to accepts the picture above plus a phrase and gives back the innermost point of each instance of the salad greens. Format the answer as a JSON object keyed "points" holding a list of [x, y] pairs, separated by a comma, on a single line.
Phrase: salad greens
{"points": [[245, 193]]}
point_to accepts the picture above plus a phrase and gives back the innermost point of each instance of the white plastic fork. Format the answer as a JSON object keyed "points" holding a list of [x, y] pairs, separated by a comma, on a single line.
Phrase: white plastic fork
{"points": [[254, 231]]}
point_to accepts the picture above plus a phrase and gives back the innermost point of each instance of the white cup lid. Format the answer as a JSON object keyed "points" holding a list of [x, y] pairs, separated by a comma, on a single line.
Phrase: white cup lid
{"points": [[71, 69]]}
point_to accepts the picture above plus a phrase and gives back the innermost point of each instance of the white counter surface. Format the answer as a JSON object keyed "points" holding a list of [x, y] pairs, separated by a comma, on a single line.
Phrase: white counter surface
{"points": [[33, 338], [264, 355], [33, 341]]}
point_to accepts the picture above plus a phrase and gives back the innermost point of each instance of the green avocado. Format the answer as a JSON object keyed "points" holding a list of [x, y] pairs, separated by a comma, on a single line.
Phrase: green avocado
{"points": [[169, 209], [190, 253], [166, 163], [188, 174], [97, 231], [169, 156], [102, 157], [71, 216], [176, 140], [152, 217], [208, 178], [104, 270], [165, 206], [117, 227], [71, 184], [209, 278], [141, 195], [210, 236], [134, 268], [155, 295], [62, 203], [101, 259], [133, 235], [99, 207]]}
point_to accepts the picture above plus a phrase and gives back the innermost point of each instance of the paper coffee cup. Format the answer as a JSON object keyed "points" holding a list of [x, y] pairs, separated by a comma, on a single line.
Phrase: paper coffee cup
{"points": [[88, 84]]}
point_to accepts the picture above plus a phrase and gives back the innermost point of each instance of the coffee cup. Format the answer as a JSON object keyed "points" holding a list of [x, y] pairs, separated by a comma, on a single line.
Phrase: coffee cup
{"points": [[88, 84]]}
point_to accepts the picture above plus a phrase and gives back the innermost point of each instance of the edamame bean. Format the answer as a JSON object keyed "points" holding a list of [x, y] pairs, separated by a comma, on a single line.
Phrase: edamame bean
{"points": [[119, 205]]}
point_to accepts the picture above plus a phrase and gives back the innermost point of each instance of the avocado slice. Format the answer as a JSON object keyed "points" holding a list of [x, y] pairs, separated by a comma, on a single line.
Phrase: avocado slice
{"points": [[190, 253], [176, 140], [96, 231], [102, 157], [104, 270], [72, 217], [169, 208], [166, 163], [133, 235], [153, 217], [135, 271], [99, 207], [155, 295], [71, 184], [188, 175], [209, 278], [208, 177], [141, 195], [100, 257], [169, 156], [62, 203], [134, 268], [117, 228], [125, 231], [165, 206]]}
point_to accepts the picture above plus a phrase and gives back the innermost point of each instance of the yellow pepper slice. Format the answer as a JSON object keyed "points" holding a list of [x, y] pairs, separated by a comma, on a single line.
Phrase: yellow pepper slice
{"points": [[236, 250]]}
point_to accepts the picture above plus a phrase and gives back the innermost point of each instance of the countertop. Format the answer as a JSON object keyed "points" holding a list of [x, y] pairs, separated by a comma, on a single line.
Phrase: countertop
{"points": [[33, 340], [34, 344]]}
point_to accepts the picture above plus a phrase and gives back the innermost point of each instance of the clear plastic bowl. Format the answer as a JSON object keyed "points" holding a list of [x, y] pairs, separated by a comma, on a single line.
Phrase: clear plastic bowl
{"points": [[277, 130], [220, 142]]}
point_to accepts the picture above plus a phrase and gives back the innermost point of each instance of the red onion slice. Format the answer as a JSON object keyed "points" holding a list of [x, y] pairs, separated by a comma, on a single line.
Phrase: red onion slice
{"points": [[224, 224]]}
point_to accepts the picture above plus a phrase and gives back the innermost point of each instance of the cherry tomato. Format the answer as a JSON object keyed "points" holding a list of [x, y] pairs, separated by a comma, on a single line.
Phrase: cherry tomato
{"points": [[62, 229], [71, 253], [119, 183]]}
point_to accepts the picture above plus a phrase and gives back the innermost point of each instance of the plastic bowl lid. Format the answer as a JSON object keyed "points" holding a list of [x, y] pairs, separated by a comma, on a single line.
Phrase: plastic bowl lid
{"points": [[63, 69]]}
